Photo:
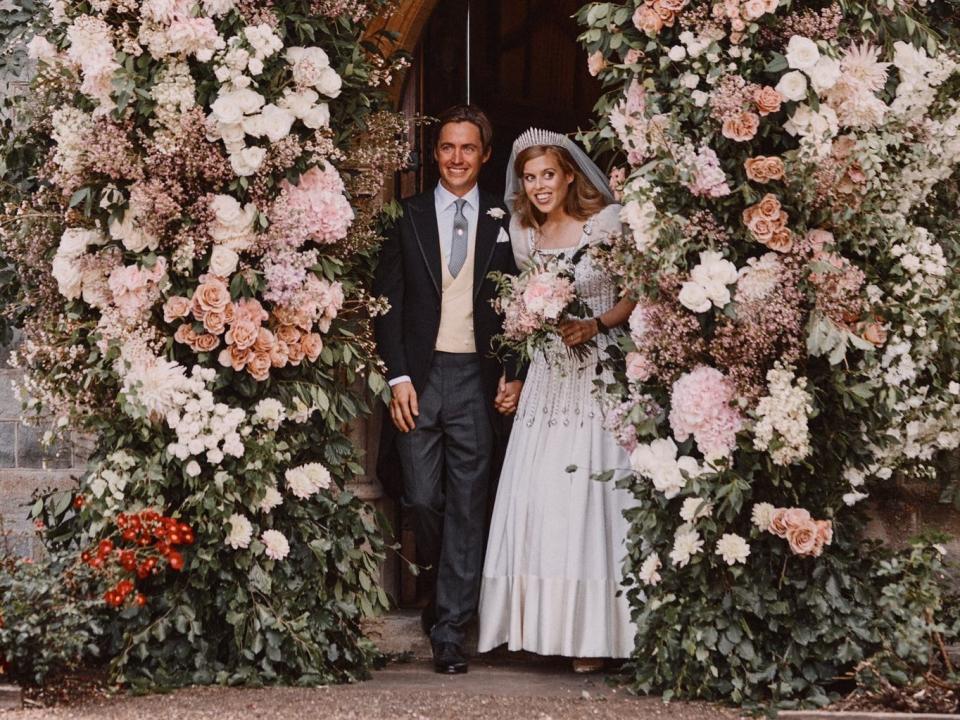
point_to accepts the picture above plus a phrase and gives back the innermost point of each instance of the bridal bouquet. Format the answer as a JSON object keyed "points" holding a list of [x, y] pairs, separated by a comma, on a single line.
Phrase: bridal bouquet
{"points": [[534, 304]]}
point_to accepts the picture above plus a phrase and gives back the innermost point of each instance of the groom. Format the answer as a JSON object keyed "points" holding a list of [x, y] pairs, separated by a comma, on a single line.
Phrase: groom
{"points": [[446, 386]]}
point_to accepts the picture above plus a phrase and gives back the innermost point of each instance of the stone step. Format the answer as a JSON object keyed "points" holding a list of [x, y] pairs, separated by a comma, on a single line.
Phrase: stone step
{"points": [[10, 698]]}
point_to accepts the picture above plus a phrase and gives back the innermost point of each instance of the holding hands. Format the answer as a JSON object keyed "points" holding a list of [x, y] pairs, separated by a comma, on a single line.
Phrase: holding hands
{"points": [[508, 396]]}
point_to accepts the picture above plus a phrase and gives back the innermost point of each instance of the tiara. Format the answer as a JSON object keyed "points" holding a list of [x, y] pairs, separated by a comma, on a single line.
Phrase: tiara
{"points": [[536, 136]]}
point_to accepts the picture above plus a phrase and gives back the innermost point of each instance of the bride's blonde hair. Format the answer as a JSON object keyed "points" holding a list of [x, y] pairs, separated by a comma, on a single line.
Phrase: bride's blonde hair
{"points": [[583, 200]]}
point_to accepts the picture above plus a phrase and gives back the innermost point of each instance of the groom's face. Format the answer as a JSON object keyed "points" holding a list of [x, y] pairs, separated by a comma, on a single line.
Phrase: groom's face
{"points": [[460, 155]]}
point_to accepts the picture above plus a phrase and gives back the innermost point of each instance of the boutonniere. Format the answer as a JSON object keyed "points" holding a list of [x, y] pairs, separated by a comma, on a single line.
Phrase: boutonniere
{"points": [[496, 213]]}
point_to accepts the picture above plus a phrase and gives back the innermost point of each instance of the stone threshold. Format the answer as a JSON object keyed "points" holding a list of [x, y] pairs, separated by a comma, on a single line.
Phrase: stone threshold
{"points": [[10, 698]]}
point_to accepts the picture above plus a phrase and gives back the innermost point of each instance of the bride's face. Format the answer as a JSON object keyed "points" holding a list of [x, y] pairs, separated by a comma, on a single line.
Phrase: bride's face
{"points": [[545, 184]]}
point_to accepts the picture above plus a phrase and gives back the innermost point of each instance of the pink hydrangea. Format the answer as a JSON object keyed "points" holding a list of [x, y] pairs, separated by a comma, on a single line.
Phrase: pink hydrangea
{"points": [[316, 208], [701, 406], [547, 295], [708, 178]]}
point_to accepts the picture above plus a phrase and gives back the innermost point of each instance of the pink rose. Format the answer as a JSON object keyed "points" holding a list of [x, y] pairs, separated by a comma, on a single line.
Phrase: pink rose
{"points": [[215, 322], [639, 368], [259, 366], [242, 334], [742, 127], [175, 308], [312, 345], [802, 538]]}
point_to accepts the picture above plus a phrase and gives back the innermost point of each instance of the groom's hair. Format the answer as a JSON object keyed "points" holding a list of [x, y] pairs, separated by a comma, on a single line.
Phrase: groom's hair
{"points": [[466, 113]]}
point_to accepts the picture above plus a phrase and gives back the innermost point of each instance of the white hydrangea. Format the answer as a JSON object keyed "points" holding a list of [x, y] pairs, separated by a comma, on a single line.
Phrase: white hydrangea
{"points": [[241, 532], [658, 461], [277, 547], [784, 415], [733, 549], [269, 412]]}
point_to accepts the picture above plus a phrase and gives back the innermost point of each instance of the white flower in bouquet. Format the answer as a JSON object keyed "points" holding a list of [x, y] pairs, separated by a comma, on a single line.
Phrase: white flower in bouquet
{"points": [[304, 106], [802, 53], [762, 515], [241, 532], [193, 468], [269, 412], [216, 8], [264, 41], [686, 544], [277, 547], [131, 234], [733, 549], [75, 241], [68, 275], [39, 48], [695, 508], [793, 86], [223, 261], [271, 499], [231, 106], [649, 571], [824, 74], [642, 218], [247, 162], [232, 226]]}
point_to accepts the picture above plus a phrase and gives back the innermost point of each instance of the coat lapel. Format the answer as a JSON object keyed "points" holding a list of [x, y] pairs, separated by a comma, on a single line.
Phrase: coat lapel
{"points": [[488, 229], [423, 218]]}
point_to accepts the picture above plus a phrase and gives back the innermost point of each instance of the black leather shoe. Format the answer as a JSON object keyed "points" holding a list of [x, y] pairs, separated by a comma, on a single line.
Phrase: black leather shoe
{"points": [[428, 618], [449, 659]]}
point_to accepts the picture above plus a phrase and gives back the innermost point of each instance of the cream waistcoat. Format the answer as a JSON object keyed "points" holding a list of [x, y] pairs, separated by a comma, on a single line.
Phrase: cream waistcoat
{"points": [[456, 307]]}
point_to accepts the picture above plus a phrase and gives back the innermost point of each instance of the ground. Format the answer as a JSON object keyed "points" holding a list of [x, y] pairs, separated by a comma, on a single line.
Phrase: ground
{"points": [[498, 690]]}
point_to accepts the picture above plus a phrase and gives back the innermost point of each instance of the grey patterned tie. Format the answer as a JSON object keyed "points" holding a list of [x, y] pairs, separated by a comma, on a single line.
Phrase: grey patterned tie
{"points": [[458, 248]]}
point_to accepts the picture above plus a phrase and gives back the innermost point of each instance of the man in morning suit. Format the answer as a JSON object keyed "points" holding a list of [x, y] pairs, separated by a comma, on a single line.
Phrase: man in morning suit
{"points": [[446, 385]]}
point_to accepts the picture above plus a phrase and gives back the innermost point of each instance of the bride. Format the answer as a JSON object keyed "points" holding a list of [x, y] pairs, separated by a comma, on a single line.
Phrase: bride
{"points": [[557, 537]]}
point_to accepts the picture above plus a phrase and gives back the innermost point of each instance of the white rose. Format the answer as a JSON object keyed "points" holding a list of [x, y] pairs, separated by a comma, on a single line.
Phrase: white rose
{"points": [[329, 83], [223, 261], [299, 103], [193, 468], [128, 232], [693, 296], [255, 66], [802, 53], [824, 74], [793, 86], [247, 161], [677, 53], [317, 117], [718, 294], [75, 241], [699, 97], [277, 122], [68, 276]]}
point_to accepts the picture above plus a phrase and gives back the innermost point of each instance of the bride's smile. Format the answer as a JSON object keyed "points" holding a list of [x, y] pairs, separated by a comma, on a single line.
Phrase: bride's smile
{"points": [[545, 184]]}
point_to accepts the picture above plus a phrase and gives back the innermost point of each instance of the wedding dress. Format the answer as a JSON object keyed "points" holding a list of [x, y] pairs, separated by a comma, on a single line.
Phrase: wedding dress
{"points": [[557, 540]]}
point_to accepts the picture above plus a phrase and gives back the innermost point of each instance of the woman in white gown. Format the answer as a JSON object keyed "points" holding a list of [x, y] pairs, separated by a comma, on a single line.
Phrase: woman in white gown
{"points": [[554, 559]]}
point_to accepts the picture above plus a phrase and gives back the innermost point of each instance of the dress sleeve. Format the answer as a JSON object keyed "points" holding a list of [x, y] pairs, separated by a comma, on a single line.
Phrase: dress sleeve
{"points": [[605, 223], [520, 241]]}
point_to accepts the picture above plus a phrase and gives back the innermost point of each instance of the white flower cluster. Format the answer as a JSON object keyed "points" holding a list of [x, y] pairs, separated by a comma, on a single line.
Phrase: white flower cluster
{"points": [[235, 60], [783, 416], [110, 480], [71, 133], [733, 549], [695, 508], [91, 47], [708, 283], [129, 230], [758, 278], [640, 213], [658, 461], [649, 571], [66, 267], [816, 129], [920, 76], [306, 480], [269, 412], [925, 264], [204, 426], [174, 93]]}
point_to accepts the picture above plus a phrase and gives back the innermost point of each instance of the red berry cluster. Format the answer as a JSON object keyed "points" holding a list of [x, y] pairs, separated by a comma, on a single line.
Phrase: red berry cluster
{"points": [[153, 537]]}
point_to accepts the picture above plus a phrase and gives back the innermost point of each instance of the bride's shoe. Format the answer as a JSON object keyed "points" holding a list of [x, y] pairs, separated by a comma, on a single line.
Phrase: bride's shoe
{"points": [[587, 665]]}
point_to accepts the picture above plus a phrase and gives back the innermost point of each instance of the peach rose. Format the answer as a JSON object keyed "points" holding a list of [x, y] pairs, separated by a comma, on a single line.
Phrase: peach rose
{"points": [[674, 6], [778, 522], [259, 366], [802, 537], [312, 345], [176, 307], [741, 128], [242, 334], [284, 315], [761, 228], [596, 63], [782, 240], [824, 532], [215, 322], [185, 334], [769, 206], [763, 169], [211, 296], [205, 343], [647, 20], [665, 13], [230, 313], [288, 333], [265, 341], [770, 5], [874, 333], [239, 357], [279, 355], [767, 100], [251, 310], [294, 353]]}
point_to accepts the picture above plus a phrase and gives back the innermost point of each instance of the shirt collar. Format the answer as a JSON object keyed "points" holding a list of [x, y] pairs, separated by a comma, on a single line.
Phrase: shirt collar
{"points": [[444, 198]]}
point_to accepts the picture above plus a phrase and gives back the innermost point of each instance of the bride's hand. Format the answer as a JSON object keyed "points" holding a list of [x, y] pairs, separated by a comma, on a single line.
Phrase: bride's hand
{"points": [[577, 332]]}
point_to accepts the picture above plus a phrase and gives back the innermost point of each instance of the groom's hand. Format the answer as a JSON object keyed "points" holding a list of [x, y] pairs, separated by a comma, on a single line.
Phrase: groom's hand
{"points": [[404, 407], [508, 396]]}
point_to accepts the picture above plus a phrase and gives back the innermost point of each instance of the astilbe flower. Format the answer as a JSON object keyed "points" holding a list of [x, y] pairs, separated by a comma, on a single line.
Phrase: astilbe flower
{"points": [[623, 418], [704, 227], [701, 406], [814, 24], [110, 151], [839, 289], [671, 341], [183, 158]]}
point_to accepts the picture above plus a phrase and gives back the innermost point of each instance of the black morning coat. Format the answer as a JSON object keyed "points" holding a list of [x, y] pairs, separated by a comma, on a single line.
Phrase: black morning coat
{"points": [[409, 275]]}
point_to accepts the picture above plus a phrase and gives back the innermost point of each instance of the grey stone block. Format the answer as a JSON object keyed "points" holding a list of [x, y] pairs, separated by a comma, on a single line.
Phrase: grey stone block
{"points": [[5, 350], [32, 454], [10, 698], [8, 444], [16, 494]]}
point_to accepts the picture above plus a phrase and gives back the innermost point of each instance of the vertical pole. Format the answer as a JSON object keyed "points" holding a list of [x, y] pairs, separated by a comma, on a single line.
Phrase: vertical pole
{"points": [[468, 52]]}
